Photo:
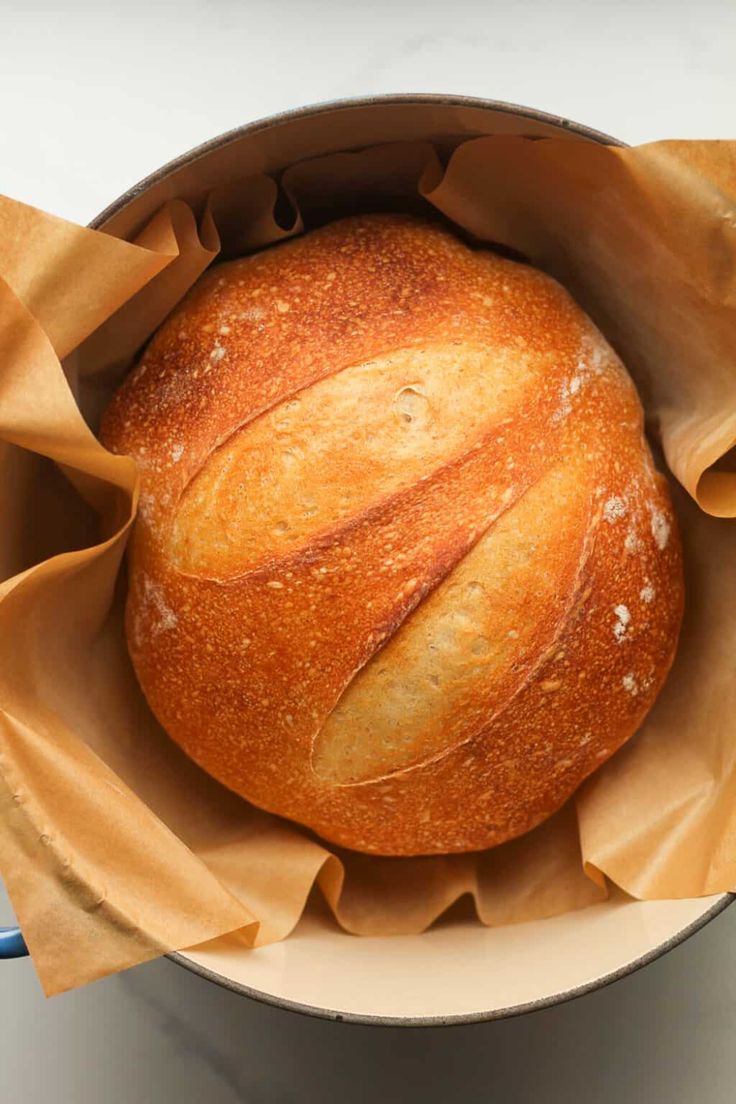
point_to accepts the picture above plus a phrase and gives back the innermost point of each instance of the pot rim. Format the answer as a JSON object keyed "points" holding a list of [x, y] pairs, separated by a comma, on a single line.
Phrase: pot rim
{"points": [[463, 1018], [178, 957], [345, 104]]}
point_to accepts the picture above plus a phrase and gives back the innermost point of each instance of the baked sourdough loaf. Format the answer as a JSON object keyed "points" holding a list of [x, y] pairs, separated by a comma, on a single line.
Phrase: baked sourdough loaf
{"points": [[403, 569]]}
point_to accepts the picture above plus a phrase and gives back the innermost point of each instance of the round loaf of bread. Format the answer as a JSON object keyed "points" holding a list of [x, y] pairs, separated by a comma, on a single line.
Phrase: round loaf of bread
{"points": [[403, 570]]}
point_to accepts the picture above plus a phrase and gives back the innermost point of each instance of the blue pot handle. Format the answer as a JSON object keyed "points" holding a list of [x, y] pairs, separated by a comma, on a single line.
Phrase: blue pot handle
{"points": [[12, 943]]}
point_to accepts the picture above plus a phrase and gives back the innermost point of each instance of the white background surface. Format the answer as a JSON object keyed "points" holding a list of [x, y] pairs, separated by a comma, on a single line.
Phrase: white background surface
{"points": [[95, 96]]}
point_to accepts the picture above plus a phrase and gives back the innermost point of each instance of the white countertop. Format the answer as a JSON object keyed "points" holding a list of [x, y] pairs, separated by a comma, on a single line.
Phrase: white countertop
{"points": [[95, 96]]}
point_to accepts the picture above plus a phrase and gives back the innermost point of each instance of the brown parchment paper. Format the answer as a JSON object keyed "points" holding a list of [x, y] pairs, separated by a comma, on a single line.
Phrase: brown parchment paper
{"points": [[114, 847]]}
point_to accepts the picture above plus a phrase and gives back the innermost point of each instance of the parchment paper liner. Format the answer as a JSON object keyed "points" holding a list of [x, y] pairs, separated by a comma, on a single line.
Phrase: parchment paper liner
{"points": [[114, 847]]}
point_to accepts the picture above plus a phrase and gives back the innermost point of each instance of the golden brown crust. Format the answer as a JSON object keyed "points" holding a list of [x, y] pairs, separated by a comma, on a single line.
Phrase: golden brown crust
{"points": [[403, 570]]}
